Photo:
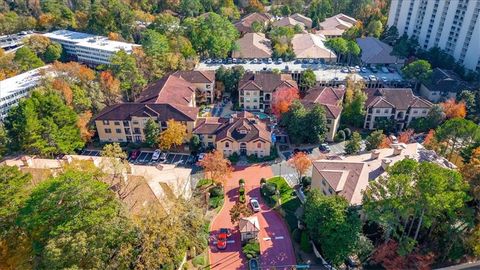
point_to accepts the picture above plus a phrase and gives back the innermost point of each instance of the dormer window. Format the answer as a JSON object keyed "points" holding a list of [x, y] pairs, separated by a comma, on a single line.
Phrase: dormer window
{"points": [[227, 144], [259, 145], [242, 131]]}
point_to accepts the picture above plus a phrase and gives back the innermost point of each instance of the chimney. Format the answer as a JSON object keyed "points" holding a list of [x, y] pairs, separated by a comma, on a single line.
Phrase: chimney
{"points": [[27, 161], [375, 154], [397, 150], [385, 163]]}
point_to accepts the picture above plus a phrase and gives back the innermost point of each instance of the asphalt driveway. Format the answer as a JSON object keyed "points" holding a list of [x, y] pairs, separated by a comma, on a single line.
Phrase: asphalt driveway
{"points": [[275, 243]]}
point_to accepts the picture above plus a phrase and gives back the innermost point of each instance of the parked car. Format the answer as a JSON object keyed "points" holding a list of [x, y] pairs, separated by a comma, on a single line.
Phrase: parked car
{"points": [[269, 60], [391, 69], [310, 61], [226, 231], [351, 69], [357, 69], [222, 240], [253, 264], [163, 156], [385, 70], [363, 69], [345, 70], [255, 205], [156, 155], [201, 156], [372, 77], [374, 69], [324, 147], [279, 60], [134, 154], [208, 61]]}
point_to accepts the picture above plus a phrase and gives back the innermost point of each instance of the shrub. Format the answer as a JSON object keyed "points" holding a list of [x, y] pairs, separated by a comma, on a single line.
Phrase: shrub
{"points": [[305, 243], [306, 181], [199, 260], [241, 182], [340, 137], [269, 189], [296, 235], [263, 181], [348, 133], [241, 191], [215, 202], [216, 191], [241, 198], [234, 158], [204, 183], [251, 249]]}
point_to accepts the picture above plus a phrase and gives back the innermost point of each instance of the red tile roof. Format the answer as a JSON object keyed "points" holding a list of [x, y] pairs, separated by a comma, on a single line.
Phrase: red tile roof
{"points": [[161, 112], [266, 81], [196, 76], [331, 99], [169, 89], [398, 98]]}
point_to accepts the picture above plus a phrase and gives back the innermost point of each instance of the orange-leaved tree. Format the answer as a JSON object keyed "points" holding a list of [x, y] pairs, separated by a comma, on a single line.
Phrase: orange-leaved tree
{"points": [[110, 87], [282, 99], [405, 136], [453, 109], [301, 162], [216, 167]]}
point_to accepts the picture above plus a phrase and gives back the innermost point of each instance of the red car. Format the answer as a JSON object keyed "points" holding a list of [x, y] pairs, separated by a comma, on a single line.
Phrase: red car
{"points": [[222, 237], [134, 154]]}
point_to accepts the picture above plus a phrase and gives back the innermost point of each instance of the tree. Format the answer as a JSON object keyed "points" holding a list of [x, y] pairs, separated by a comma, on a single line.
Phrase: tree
{"points": [[353, 145], [195, 143], [152, 131], [307, 80], [374, 140], [216, 166], [4, 141], [453, 109], [332, 225], [174, 135], [434, 118], [220, 32], [238, 211], [304, 126], [26, 59], [282, 99], [388, 256], [75, 221], [125, 69], [470, 100], [456, 134], [316, 121], [255, 6], [301, 162], [405, 136], [354, 103], [418, 71], [110, 88], [37, 43], [471, 173], [115, 163], [53, 52], [191, 8], [43, 125], [374, 28]]}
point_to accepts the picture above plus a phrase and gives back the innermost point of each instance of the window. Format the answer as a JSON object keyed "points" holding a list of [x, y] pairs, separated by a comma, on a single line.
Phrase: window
{"points": [[259, 145], [210, 136], [377, 111], [323, 182], [105, 122], [116, 123], [126, 123], [135, 122], [208, 86], [330, 190], [424, 111], [329, 121], [227, 144], [415, 111], [136, 131], [386, 111], [108, 131], [118, 130]]}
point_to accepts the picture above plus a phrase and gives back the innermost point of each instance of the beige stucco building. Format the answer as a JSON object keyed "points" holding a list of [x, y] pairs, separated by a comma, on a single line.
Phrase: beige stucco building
{"points": [[243, 133], [397, 104], [204, 82], [331, 99]]}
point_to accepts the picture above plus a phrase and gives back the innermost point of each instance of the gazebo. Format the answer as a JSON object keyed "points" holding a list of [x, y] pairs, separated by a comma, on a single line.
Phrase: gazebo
{"points": [[249, 228]]}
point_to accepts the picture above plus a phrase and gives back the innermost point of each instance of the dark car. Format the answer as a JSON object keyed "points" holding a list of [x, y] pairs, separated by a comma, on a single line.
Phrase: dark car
{"points": [[134, 154], [253, 264], [324, 147]]}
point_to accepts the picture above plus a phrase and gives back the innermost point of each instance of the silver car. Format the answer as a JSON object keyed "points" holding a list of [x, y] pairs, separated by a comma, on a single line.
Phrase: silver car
{"points": [[255, 205]]}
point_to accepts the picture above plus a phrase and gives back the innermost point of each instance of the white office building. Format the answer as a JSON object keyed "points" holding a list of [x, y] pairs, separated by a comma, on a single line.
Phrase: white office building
{"points": [[87, 48], [452, 25], [17, 87]]}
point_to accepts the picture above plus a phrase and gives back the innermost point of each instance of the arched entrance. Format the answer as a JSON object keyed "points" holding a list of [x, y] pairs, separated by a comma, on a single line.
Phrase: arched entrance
{"points": [[243, 148]]}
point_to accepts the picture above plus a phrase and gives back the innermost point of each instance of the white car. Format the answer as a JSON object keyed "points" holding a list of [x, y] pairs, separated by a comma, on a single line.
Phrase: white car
{"points": [[156, 155], [201, 156], [255, 205]]}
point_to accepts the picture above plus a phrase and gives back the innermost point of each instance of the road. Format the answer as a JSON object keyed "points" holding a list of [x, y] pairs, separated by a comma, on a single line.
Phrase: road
{"points": [[275, 243]]}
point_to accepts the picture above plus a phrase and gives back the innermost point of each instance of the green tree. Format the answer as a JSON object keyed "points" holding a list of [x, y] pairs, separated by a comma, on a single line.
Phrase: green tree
{"points": [[195, 143], [75, 221], [374, 140], [191, 8], [26, 59], [332, 225], [457, 133], [319, 10], [166, 24], [353, 145], [3, 141], [316, 123], [374, 28], [304, 126], [418, 71], [469, 97], [53, 52], [308, 79], [339, 46], [354, 104], [211, 35], [125, 69], [152, 130], [43, 125]]}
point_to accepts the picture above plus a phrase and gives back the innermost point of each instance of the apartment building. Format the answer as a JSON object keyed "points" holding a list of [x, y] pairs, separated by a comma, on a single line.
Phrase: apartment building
{"points": [[442, 85], [203, 80], [452, 25], [256, 89], [168, 98], [331, 99], [242, 133], [87, 48], [336, 25], [397, 104], [17, 87]]}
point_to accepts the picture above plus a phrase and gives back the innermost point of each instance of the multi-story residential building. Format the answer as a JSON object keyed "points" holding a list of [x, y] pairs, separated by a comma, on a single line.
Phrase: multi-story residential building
{"points": [[442, 85], [310, 46], [336, 25], [255, 90], [331, 100], [350, 175], [245, 24], [452, 25], [17, 87], [242, 133], [293, 20], [87, 48], [203, 80], [14, 40], [397, 104], [253, 46], [169, 98]]}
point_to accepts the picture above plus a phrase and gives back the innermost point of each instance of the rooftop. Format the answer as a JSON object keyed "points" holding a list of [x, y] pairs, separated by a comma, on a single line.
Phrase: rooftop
{"points": [[444, 80], [90, 41], [311, 46], [253, 45], [375, 51], [169, 89], [336, 25], [20, 82], [330, 98], [398, 98], [265, 81]]}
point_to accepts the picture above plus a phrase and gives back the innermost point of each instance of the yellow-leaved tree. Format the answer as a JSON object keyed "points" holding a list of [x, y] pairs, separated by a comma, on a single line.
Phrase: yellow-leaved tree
{"points": [[174, 135]]}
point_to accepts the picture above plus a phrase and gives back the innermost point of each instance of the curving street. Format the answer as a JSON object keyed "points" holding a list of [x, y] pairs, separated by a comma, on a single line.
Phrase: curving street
{"points": [[275, 243]]}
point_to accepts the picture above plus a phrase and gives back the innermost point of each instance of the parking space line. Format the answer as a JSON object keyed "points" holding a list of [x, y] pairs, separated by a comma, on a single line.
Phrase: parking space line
{"points": [[278, 237], [267, 238], [230, 241]]}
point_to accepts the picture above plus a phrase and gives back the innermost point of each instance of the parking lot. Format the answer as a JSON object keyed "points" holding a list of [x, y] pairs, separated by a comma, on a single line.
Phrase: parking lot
{"points": [[145, 158], [92, 153]]}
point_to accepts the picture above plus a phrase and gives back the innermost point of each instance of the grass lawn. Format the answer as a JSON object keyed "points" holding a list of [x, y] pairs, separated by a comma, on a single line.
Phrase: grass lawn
{"points": [[289, 200]]}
